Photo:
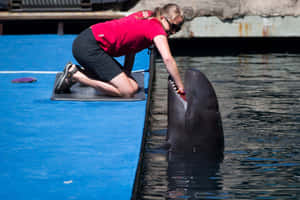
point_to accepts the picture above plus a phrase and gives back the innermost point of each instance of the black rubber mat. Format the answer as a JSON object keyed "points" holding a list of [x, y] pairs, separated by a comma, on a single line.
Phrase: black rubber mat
{"points": [[85, 93]]}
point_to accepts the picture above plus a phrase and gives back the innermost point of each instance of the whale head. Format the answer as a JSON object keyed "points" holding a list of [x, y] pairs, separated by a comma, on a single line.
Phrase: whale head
{"points": [[194, 121]]}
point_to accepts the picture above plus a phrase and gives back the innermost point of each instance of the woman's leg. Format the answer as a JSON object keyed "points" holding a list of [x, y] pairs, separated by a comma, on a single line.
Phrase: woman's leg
{"points": [[121, 85], [95, 60], [126, 86]]}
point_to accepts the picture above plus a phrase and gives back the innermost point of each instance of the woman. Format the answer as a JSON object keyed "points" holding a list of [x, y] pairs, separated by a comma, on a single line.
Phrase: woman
{"points": [[96, 46]]}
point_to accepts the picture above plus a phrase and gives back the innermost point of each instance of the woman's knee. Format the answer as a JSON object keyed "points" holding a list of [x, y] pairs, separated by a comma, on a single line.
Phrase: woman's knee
{"points": [[128, 91], [125, 85], [134, 84]]}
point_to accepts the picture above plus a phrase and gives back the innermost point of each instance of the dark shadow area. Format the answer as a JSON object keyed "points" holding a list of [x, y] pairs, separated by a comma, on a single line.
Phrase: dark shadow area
{"points": [[29, 27], [233, 46], [130, 4], [65, 5], [46, 26]]}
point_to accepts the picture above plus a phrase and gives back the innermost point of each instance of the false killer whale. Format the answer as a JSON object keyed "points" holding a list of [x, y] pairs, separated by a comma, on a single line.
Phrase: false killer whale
{"points": [[194, 124], [195, 139]]}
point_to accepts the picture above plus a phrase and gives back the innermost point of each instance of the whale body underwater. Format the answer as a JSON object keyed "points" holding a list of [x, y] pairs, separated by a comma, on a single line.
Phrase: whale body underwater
{"points": [[194, 124]]}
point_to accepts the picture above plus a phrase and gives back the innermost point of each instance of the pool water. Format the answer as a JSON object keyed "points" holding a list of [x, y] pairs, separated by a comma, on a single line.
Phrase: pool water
{"points": [[259, 101]]}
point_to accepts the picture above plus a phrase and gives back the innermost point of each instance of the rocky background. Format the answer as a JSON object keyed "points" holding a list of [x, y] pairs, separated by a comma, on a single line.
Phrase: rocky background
{"points": [[226, 9]]}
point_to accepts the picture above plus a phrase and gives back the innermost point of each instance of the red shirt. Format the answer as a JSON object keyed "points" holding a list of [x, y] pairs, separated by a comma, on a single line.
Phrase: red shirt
{"points": [[129, 34]]}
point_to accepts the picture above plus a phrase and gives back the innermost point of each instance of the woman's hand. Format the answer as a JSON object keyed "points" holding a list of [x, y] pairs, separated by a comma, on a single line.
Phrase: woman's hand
{"points": [[182, 93]]}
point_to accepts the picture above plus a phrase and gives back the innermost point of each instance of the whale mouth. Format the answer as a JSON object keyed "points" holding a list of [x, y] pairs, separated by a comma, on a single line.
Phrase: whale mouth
{"points": [[175, 88], [173, 84]]}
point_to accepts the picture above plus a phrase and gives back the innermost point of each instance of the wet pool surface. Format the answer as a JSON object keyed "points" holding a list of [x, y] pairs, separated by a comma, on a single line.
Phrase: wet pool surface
{"points": [[259, 101]]}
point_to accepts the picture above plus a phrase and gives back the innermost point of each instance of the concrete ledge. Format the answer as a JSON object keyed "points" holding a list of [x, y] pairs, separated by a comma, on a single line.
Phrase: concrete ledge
{"points": [[249, 26]]}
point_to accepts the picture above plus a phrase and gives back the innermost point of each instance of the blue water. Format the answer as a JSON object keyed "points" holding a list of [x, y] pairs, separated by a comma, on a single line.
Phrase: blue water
{"points": [[259, 100]]}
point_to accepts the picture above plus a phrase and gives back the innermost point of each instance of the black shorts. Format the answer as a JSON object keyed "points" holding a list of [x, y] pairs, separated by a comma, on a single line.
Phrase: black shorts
{"points": [[93, 58]]}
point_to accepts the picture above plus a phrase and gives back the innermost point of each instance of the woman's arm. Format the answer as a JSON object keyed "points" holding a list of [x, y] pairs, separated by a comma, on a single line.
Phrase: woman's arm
{"points": [[161, 43], [128, 64]]}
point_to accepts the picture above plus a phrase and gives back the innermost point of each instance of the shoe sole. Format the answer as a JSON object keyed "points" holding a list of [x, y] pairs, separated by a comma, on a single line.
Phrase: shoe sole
{"points": [[61, 79]]}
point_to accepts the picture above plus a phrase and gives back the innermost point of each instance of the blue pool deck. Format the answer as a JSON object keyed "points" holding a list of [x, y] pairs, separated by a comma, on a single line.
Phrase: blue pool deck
{"points": [[62, 149]]}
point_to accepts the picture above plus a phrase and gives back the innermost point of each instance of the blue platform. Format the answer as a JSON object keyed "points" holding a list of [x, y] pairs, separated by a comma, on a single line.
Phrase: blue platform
{"points": [[62, 150]]}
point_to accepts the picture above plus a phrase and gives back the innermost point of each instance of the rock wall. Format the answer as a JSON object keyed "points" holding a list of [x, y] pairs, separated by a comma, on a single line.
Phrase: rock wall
{"points": [[227, 9], [270, 7]]}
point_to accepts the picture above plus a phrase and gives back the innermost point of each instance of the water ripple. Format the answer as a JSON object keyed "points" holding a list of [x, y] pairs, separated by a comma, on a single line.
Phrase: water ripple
{"points": [[259, 101]]}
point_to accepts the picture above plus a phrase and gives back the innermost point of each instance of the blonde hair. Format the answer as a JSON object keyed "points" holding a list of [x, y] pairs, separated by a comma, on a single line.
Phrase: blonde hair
{"points": [[171, 11]]}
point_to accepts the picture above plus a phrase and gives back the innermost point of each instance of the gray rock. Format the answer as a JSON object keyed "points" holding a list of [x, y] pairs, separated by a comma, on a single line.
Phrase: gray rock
{"points": [[227, 9], [194, 8]]}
